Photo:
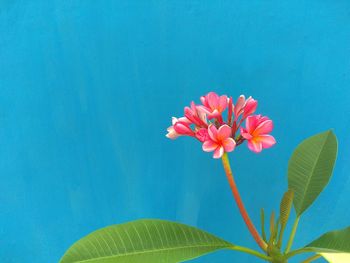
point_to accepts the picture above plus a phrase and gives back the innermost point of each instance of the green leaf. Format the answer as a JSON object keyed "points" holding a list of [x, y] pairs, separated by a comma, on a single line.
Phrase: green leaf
{"points": [[144, 241], [332, 242], [310, 168]]}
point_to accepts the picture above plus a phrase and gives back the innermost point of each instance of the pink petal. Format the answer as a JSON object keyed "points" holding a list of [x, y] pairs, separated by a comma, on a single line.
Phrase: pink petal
{"points": [[224, 132], [204, 101], [213, 100], [204, 109], [193, 106], [239, 105], [202, 134], [266, 140], [218, 152], [203, 117], [213, 132], [189, 114], [250, 107], [173, 120], [209, 146], [251, 123], [255, 146], [229, 144], [262, 119], [214, 114], [182, 119], [245, 134], [183, 128], [172, 134], [264, 127], [222, 103]]}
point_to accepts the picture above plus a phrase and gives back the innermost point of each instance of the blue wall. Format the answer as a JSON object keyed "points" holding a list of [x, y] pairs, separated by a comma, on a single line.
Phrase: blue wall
{"points": [[87, 89]]}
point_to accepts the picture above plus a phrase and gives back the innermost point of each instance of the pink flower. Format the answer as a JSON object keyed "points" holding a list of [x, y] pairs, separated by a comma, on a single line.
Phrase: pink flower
{"points": [[238, 108], [213, 105], [245, 107], [205, 123], [256, 133], [196, 116], [172, 133], [249, 107], [183, 128], [219, 141], [202, 134]]}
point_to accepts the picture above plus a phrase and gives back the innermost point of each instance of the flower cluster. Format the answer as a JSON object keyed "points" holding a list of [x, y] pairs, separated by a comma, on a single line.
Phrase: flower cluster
{"points": [[221, 132]]}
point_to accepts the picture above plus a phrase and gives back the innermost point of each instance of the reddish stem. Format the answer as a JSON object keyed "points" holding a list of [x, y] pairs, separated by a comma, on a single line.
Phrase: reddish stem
{"points": [[220, 120], [240, 204], [230, 109]]}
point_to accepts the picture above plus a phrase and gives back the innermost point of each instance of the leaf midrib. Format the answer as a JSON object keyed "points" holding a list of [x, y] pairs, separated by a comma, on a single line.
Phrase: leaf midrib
{"points": [[155, 251]]}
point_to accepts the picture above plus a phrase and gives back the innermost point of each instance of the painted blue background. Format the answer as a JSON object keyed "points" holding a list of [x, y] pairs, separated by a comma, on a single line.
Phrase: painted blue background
{"points": [[87, 89]]}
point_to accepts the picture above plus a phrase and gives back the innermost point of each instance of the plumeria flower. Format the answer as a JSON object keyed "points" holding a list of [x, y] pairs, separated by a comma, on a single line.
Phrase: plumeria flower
{"points": [[206, 123], [249, 107], [219, 141], [196, 116], [183, 128], [213, 105], [256, 133], [172, 134], [245, 107], [242, 107], [238, 108], [202, 134]]}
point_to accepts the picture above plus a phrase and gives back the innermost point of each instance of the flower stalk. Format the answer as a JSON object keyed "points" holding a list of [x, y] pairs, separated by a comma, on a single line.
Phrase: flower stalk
{"points": [[252, 229]]}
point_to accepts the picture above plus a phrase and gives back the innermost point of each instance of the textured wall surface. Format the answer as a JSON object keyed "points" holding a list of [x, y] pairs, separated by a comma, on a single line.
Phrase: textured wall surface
{"points": [[87, 89]]}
